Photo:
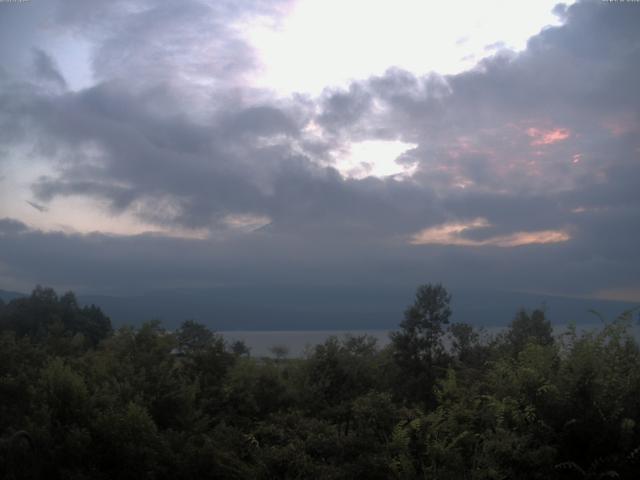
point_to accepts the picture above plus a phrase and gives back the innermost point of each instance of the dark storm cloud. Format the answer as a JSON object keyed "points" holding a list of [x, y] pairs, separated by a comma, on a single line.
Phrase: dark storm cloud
{"points": [[9, 226], [37, 206], [99, 260], [546, 139], [128, 264], [243, 161], [203, 170], [155, 41], [501, 126], [46, 69], [340, 109]]}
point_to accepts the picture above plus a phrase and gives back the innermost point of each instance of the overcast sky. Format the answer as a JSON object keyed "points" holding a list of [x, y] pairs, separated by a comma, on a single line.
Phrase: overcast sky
{"points": [[156, 144]]}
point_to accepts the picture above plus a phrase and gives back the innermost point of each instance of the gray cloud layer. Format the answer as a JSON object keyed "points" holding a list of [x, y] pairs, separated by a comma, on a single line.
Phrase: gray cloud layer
{"points": [[547, 139]]}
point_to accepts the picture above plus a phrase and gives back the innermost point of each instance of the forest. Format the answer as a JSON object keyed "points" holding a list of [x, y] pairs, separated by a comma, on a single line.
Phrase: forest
{"points": [[82, 400]]}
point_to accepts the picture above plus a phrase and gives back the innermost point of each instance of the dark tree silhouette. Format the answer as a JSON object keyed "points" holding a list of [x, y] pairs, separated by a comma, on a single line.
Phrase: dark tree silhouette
{"points": [[418, 345]]}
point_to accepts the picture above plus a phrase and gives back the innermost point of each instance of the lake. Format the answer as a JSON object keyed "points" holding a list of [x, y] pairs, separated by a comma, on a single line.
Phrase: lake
{"points": [[297, 341]]}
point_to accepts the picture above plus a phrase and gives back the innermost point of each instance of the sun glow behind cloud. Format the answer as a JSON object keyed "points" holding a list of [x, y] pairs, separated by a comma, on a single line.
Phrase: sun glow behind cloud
{"points": [[375, 158], [452, 234], [328, 43]]}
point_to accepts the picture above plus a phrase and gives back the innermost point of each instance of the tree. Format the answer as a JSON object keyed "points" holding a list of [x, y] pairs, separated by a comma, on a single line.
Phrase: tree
{"points": [[280, 352], [467, 347], [240, 348], [194, 337], [463, 339], [58, 321], [419, 343], [525, 328], [18, 456]]}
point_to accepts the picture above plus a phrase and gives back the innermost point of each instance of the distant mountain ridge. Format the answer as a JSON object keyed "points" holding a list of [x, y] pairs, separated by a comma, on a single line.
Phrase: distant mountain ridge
{"points": [[7, 296], [330, 308]]}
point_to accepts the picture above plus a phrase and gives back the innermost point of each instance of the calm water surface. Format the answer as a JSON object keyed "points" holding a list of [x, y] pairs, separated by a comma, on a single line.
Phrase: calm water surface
{"points": [[298, 341]]}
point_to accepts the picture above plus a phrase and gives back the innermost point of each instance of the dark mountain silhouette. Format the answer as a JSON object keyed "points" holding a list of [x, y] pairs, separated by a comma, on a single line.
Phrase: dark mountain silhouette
{"points": [[330, 308]]}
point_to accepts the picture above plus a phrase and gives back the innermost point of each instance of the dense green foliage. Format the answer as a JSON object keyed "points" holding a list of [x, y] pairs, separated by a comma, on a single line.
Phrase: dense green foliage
{"points": [[441, 401]]}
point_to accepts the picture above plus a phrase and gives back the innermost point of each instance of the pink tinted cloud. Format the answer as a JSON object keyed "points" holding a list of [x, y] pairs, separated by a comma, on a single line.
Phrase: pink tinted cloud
{"points": [[621, 125], [540, 136], [452, 234]]}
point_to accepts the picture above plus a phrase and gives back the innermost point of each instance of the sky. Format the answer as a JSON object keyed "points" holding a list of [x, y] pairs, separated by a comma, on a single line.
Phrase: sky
{"points": [[150, 144]]}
